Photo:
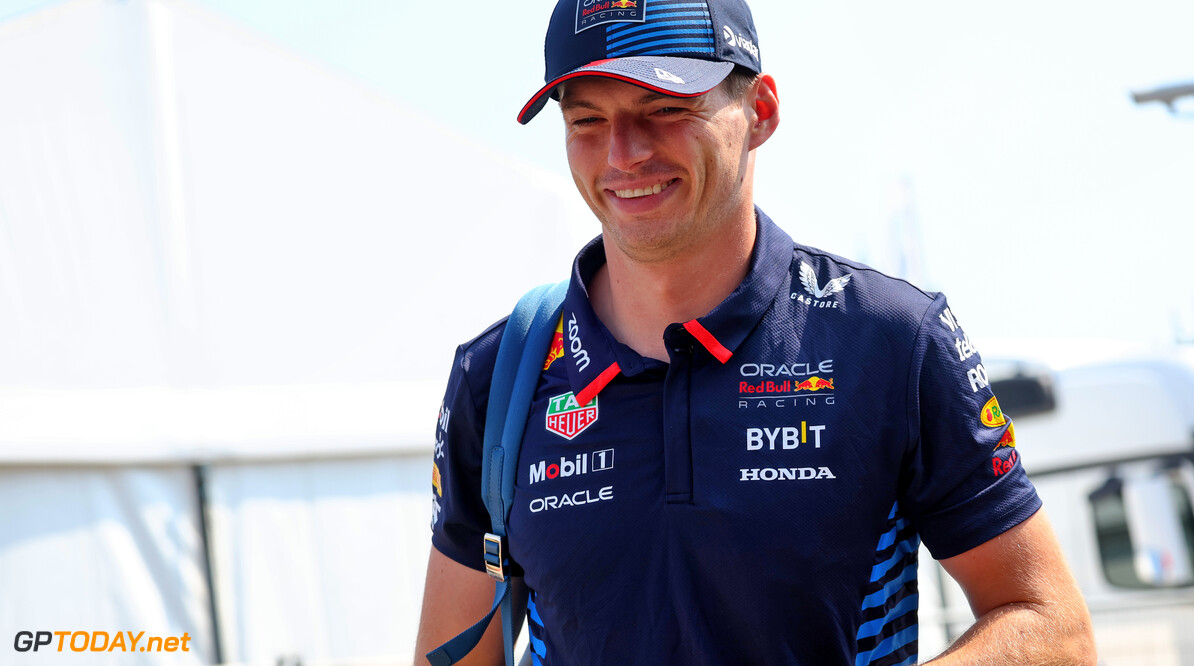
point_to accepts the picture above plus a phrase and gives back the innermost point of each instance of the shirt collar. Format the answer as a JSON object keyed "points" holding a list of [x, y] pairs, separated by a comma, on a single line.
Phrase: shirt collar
{"points": [[593, 357]]}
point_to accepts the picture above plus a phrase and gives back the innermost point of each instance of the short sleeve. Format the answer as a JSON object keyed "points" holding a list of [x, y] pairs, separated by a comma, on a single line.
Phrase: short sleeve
{"points": [[964, 482], [459, 519]]}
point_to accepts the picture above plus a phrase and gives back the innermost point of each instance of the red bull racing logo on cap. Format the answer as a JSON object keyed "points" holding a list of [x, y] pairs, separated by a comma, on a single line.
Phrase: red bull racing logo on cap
{"points": [[590, 13]]}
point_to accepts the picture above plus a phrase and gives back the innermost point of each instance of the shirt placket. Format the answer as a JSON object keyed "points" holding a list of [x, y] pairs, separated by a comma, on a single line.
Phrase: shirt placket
{"points": [[677, 421]]}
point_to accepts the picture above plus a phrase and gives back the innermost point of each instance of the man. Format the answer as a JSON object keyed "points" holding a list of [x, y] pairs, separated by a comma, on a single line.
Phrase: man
{"points": [[737, 442]]}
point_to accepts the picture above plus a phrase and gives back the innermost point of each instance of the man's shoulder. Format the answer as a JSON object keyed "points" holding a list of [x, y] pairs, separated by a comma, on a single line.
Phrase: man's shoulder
{"points": [[476, 357], [817, 274]]}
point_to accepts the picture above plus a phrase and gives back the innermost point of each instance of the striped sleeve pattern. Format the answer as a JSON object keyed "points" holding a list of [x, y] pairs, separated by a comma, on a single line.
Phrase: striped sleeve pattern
{"points": [[889, 631]]}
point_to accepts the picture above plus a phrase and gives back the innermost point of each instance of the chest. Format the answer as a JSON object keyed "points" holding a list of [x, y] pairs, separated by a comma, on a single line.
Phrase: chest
{"points": [[796, 451]]}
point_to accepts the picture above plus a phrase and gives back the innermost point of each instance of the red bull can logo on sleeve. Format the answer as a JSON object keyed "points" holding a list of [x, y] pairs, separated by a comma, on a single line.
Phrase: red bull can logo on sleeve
{"points": [[992, 415]]}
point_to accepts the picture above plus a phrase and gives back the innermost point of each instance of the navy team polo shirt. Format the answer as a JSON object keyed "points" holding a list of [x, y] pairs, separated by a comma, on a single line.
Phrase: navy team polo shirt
{"points": [[758, 500]]}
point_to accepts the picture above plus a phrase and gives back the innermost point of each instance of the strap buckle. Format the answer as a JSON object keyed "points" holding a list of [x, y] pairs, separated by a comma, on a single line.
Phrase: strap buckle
{"points": [[494, 562]]}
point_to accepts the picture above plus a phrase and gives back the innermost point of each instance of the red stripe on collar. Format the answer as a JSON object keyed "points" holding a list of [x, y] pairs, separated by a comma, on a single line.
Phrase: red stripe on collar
{"points": [[706, 338], [589, 392]]}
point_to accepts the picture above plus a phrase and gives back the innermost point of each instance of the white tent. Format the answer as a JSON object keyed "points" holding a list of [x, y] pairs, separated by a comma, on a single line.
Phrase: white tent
{"points": [[231, 282]]}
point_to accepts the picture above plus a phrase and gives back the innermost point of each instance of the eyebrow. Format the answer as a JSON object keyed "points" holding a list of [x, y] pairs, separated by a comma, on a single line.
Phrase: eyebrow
{"points": [[647, 98], [566, 104]]}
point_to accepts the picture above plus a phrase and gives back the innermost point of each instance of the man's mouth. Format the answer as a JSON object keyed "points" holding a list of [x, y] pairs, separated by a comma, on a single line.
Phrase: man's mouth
{"points": [[636, 192]]}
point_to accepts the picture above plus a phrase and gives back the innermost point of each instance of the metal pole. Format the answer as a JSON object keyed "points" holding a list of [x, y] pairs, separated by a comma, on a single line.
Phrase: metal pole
{"points": [[200, 472]]}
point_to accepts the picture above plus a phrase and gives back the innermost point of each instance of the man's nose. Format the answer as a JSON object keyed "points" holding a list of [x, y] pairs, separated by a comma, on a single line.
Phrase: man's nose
{"points": [[630, 143]]}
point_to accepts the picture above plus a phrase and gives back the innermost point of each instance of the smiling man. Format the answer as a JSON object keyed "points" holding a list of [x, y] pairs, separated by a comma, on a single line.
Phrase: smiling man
{"points": [[738, 442]]}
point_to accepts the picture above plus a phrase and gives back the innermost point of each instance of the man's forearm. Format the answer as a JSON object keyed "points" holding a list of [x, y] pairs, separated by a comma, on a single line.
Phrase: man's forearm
{"points": [[1024, 633]]}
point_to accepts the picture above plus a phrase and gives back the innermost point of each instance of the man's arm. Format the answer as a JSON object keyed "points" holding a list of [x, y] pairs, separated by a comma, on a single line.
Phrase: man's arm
{"points": [[1026, 600], [454, 598]]}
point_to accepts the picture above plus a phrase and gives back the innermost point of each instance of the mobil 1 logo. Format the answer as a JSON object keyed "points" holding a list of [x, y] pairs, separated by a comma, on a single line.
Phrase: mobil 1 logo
{"points": [[565, 466]]}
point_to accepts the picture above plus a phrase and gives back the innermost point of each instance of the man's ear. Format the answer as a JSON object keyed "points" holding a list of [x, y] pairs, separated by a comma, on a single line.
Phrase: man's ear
{"points": [[765, 101]]}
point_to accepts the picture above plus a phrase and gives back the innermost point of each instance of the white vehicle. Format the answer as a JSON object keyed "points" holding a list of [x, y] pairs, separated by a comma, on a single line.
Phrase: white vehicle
{"points": [[1107, 436]]}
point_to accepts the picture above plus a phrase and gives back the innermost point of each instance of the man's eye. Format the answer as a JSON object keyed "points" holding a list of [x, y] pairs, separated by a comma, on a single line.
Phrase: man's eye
{"points": [[585, 121], [668, 110]]}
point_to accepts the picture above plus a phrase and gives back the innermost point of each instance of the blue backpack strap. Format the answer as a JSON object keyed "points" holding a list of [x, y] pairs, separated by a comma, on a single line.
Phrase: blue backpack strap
{"points": [[525, 343]]}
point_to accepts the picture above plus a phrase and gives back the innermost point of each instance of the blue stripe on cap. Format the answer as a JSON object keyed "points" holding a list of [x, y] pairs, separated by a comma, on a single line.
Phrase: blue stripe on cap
{"points": [[671, 27], [661, 51], [664, 37], [620, 54], [623, 32]]}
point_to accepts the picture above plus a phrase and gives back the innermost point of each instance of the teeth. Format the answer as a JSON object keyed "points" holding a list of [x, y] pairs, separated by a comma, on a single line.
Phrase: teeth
{"points": [[641, 191]]}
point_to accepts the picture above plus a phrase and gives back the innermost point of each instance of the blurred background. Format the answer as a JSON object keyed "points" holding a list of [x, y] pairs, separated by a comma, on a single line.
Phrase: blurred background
{"points": [[240, 240]]}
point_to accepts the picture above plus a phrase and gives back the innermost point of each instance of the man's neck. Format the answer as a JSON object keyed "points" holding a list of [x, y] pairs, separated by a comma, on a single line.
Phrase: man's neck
{"points": [[636, 301]]}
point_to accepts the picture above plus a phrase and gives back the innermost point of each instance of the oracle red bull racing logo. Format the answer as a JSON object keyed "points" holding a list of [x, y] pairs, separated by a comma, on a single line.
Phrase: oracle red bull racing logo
{"points": [[591, 13], [813, 383], [567, 418]]}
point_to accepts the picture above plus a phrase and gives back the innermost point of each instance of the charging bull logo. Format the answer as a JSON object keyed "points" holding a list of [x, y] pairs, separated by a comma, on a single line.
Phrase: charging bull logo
{"points": [[1009, 438], [624, 4], [813, 383], [999, 464], [557, 345]]}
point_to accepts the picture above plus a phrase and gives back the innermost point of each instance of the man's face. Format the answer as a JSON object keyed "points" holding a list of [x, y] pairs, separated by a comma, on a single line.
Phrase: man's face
{"points": [[661, 173]]}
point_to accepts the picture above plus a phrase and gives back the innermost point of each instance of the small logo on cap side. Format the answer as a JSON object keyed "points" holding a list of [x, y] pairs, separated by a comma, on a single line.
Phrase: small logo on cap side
{"points": [[665, 75], [739, 40], [590, 13]]}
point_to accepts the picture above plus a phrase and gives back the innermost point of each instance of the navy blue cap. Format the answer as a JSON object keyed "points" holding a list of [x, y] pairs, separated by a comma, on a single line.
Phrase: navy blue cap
{"points": [[682, 48]]}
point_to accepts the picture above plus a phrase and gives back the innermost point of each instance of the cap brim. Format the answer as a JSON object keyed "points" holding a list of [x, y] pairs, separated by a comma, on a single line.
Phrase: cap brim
{"points": [[678, 77]]}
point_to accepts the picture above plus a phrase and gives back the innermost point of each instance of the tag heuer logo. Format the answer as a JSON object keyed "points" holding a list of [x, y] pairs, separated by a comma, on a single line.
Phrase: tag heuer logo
{"points": [[568, 419]]}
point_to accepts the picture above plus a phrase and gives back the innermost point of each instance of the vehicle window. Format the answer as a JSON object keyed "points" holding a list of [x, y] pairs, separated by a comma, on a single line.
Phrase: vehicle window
{"points": [[1147, 542]]}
